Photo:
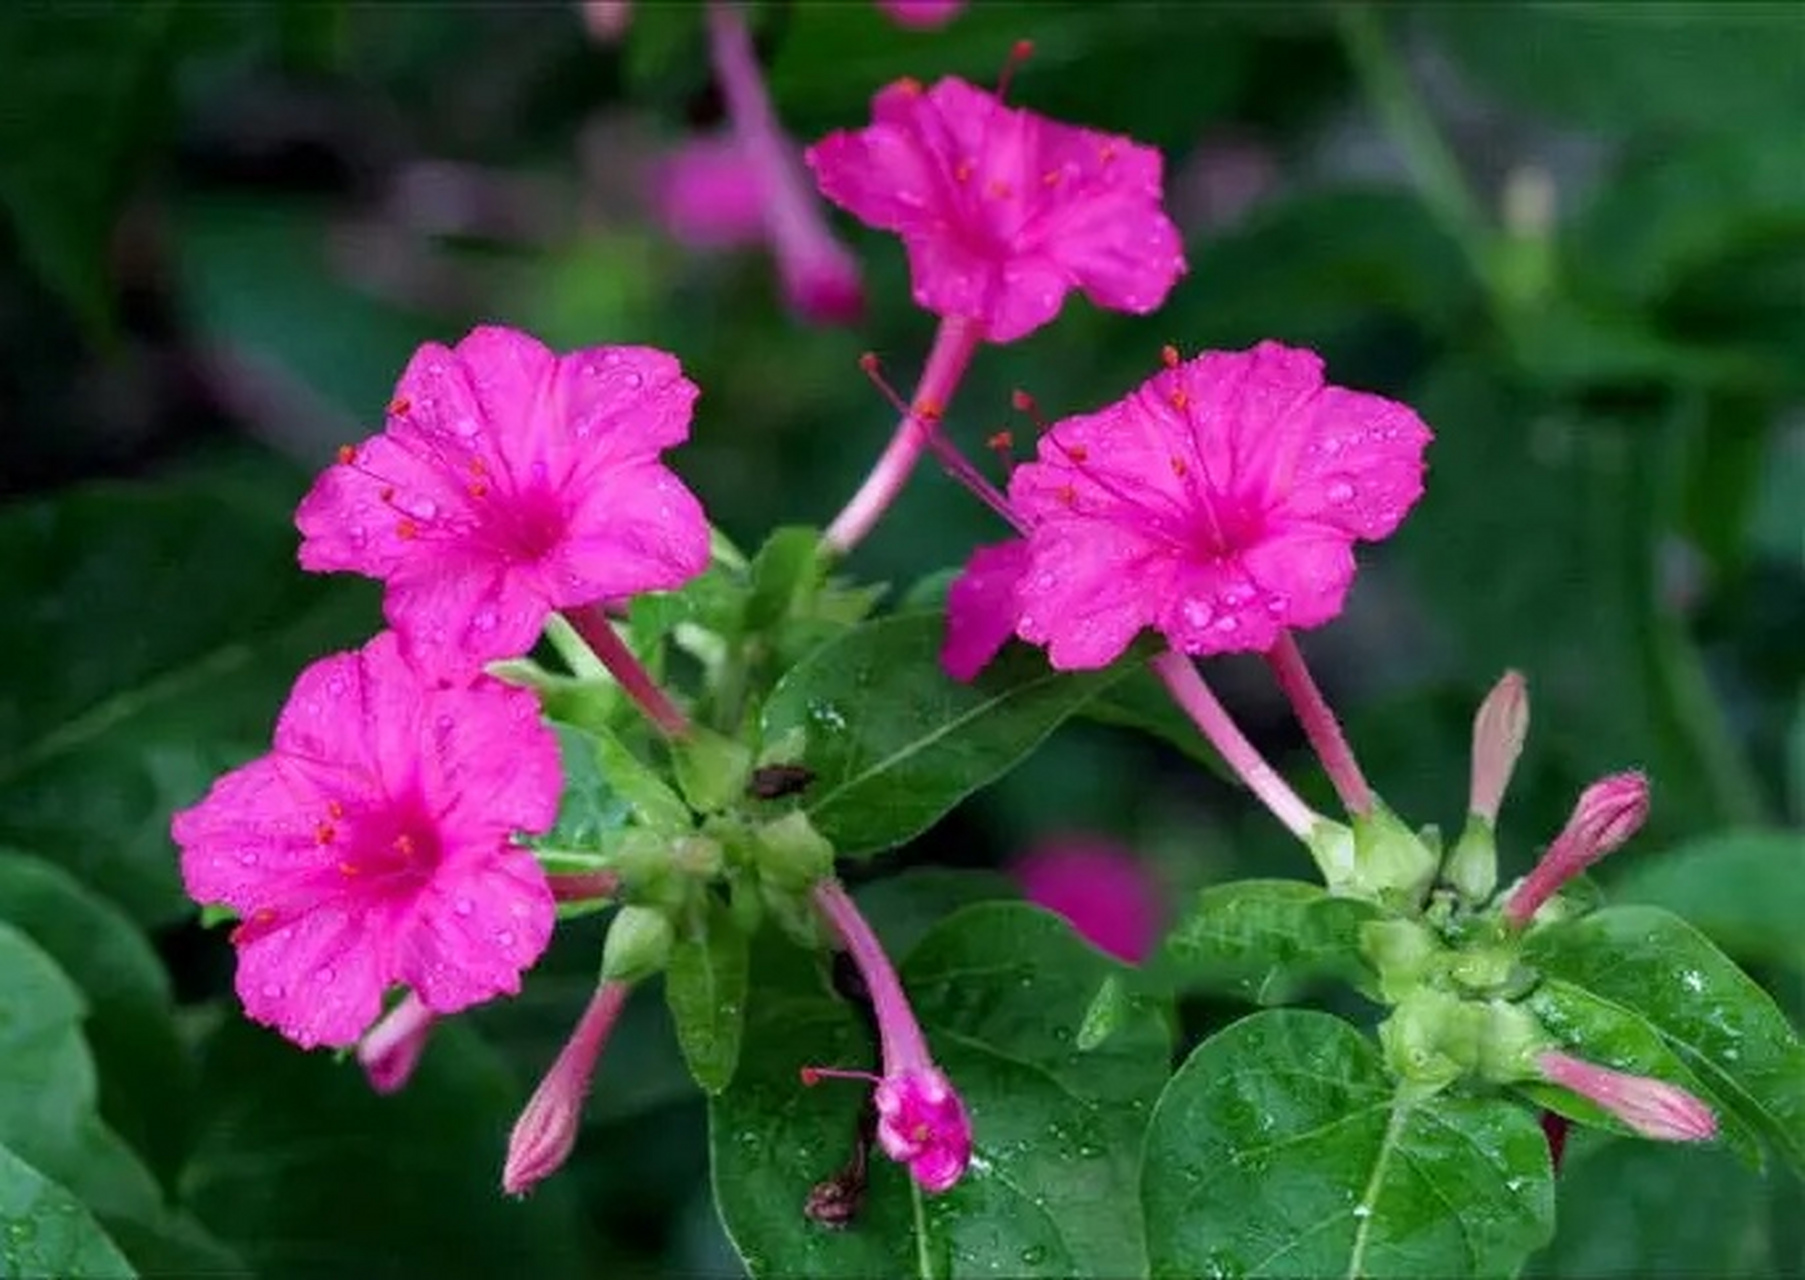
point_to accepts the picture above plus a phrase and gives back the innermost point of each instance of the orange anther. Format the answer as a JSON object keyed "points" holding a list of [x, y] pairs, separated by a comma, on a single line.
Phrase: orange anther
{"points": [[1180, 468], [1168, 356], [1077, 453], [1179, 400], [1067, 495], [1052, 177], [909, 85], [399, 405], [334, 808], [477, 489], [325, 833], [346, 455], [1002, 440], [962, 171], [347, 869], [407, 530], [999, 190]]}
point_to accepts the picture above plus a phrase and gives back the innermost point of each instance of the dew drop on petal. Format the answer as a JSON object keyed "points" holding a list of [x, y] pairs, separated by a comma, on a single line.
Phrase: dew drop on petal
{"points": [[1341, 491], [463, 906]]}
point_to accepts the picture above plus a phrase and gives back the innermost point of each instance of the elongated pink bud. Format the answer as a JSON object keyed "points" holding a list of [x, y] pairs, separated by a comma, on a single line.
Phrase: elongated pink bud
{"points": [[922, 15], [1608, 813], [391, 1049], [1653, 1108], [1498, 734], [547, 1129]]}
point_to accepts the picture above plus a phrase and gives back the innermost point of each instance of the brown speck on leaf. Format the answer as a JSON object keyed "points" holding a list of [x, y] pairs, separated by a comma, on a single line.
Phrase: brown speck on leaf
{"points": [[774, 781]]}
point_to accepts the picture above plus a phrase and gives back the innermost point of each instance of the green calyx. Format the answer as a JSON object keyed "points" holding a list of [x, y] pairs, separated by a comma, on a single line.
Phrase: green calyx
{"points": [[1472, 868], [1391, 864], [639, 944]]}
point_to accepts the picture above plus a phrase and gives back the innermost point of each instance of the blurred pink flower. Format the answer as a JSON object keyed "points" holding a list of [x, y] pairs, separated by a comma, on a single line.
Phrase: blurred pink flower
{"points": [[509, 482], [923, 15], [708, 195], [1098, 885], [373, 846], [1003, 211]]}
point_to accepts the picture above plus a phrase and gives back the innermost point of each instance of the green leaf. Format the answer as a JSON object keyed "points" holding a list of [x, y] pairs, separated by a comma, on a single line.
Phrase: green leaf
{"points": [[786, 572], [165, 625], [705, 986], [1632, 1210], [308, 1172], [1283, 1148], [590, 808], [1714, 1016], [1745, 889], [904, 908], [146, 1076], [1264, 940], [1626, 67], [894, 742], [95, 73], [45, 1231], [654, 804], [1001, 990], [1139, 701], [1609, 1034]]}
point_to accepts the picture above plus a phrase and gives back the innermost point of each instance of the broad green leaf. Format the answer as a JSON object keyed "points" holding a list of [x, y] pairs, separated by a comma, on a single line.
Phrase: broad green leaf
{"points": [[894, 741], [1617, 1037], [653, 802], [705, 986], [1282, 1147], [1001, 990], [1633, 66], [45, 1231], [159, 630], [786, 572], [96, 74], [146, 1076], [1745, 889], [904, 908], [1263, 940], [1139, 701], [1714, 1016], [308, 1172], [591, 807], [1633, 1210]]}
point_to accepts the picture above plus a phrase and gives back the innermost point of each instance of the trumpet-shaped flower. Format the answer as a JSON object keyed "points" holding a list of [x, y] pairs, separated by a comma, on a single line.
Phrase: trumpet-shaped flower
{"points": [[372, 846], [509, 482]]}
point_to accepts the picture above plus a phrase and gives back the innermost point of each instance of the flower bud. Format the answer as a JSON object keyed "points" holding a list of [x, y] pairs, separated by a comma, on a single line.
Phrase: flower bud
{"points": [[546, 1132], [1608, 813], [1499, 731], [391, 1049], [638, 945], [791, 854], [1473, 866], [1402, 952], [1653, 1108], [711, 768], [1392, 863], [1431, 1039]]}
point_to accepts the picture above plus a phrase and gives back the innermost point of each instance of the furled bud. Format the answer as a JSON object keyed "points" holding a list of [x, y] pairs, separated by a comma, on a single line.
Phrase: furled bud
{"points": [[1653, 1108], [1608, 813]]}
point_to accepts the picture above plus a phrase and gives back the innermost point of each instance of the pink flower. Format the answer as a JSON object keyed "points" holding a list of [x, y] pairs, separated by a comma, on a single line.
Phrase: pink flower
{"points": [[546, 1132], [392, 1048], [1003, 211], [981, 611], [511, 481], [1098, 886], [372, 846], [923, 15], [1219, 504], [1499, 730], [1653, 1108], [920, 1120], [1609, 812], [708, 194]]}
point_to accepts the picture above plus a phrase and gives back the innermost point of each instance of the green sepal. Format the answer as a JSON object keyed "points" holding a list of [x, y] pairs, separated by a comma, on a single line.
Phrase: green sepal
{"points": [[638, 945]]}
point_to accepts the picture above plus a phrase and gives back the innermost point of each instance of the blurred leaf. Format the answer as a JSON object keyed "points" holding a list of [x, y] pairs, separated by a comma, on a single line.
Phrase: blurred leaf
{"points": [[78, 96], [1616, 1036], [1139, 701], [1633, 66], [1283, 1147], [1745, 889], [1721, 1024], [146, 1077], [894, 741], [45, 1231], [308, 1172], [1263, 940], [159, 627], [705, 987], [1001, 990], [1633, 1210], [904, 908]]}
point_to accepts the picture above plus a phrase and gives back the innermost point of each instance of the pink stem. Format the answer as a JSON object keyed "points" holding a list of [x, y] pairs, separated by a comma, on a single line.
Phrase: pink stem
{"points": [[905, 1048], [583, 886], [591, 623], [1320, 725], [955, 342], [1194, 698], [819, 272]]}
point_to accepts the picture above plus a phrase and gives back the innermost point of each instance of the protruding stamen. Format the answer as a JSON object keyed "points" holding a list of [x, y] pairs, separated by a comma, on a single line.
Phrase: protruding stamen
{"points": [[1026, 405], [1019, 53], [812, 1076], [1168, 356]]}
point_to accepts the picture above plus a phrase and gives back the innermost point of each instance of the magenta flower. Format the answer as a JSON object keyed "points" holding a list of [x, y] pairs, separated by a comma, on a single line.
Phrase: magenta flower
{"points": [[708, 194], [1653, 1108], [1003, 211], [920, 1120], [1609, 812], [392, 1048], [981, 609], [1100, 887], [372, 846], [923, 15], [511, 481], [1219, 503], [546, 1132]]}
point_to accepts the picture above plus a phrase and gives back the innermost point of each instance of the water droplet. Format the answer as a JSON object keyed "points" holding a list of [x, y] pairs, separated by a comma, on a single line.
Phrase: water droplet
{"points": [[419, 508], [1226, 625], [463, 906], [465, 426], [485, 620], [1198, 613], [1363, 1211], [1034, 1255], [272, 990], [634, 381], [1341, 491], [505, 938], [325, 973], [248, 858]]}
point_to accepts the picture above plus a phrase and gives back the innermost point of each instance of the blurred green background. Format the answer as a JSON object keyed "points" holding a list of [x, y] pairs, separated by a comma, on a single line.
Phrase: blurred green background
{"points": [[1572, 235]]}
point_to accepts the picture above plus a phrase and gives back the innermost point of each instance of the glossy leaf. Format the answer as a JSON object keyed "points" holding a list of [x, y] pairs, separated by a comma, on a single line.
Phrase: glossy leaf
{"points": [[1001, 990], [1263, 940], [307, 1171], [1139, 701], [1282, 1147], [1744, 889], [705, 986], [122, 707], [894, 741], [45, 1231], [146, 1075], [1714, 1016]]}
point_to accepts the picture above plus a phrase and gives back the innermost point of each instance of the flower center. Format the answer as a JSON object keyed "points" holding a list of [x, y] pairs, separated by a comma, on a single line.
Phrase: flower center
{"points": [[527, 528], [394, 852]]}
